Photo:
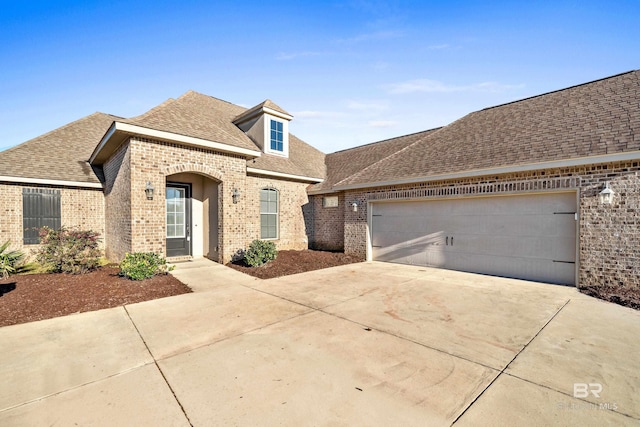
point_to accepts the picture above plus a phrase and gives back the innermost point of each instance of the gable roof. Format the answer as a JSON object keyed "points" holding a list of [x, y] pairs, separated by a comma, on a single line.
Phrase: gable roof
{"points": [[267, 106], [577, 124], [62, 155], [59, 155], [194, 117], [343, 164]]}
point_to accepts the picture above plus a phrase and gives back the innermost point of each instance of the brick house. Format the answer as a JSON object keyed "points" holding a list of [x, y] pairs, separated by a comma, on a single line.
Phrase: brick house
{"points": [[545, 188]]}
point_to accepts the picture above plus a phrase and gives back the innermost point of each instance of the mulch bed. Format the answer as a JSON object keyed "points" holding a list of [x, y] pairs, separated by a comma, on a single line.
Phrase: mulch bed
{"points": [[293, 262], [27, 298], [628, 297]]}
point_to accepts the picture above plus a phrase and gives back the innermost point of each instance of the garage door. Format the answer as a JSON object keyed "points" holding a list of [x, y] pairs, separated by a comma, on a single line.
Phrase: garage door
{"points": [[530, 237]]}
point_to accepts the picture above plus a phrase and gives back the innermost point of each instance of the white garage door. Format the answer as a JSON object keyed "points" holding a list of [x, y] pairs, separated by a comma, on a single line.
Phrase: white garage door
{"points": [[530, 237]]}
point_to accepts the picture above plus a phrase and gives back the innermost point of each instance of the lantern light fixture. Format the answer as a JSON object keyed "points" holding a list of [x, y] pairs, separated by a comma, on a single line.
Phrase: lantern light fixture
{"points": [[235, 195], [148, 190], [606, 195]]}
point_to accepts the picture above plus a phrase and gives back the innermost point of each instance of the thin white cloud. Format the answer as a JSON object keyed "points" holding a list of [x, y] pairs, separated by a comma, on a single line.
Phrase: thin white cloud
{"points": [[287, 56], [382, 123], [367, 106], [439, 46], [378, 35], [310, 114], [435, 86]]}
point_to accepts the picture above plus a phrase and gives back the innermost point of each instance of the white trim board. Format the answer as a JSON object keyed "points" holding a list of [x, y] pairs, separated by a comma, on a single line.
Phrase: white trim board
{"points": [[582, 161], [283, 175], [169, 136], [56, 182]]}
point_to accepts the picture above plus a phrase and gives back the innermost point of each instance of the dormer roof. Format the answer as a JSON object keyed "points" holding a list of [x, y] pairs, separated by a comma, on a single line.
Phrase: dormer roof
{"points": [[266, 106]]}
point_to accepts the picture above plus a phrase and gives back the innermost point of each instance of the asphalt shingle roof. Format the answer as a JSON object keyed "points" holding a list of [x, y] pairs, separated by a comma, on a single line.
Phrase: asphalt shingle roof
{"points": [[597, 118], [304, 160], [61, 154], [199, 116], [343, 164]]}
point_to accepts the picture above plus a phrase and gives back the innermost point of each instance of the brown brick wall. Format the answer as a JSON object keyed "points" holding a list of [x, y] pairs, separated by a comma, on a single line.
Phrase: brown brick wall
{"points": [[153, 161], [11, 214], [117, 172], [292, 197], [80, 207], [328, 224], [609, 235]]}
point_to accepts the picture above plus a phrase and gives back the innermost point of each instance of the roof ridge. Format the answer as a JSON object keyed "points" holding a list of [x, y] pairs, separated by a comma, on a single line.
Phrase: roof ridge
{"points": [[556, 91], [195, 92], [153, 109], [386, 140]]}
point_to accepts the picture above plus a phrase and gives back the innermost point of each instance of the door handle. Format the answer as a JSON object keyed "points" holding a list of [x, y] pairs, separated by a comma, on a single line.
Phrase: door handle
{"points": [[447, 241], [451, 240]]}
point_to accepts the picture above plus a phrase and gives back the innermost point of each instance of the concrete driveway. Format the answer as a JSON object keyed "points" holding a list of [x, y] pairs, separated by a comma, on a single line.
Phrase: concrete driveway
{"points": [[363, 344]]}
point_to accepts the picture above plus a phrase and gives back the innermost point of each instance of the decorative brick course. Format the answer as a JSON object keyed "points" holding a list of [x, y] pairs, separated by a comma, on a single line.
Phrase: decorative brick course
{"points": [[609, 234]]}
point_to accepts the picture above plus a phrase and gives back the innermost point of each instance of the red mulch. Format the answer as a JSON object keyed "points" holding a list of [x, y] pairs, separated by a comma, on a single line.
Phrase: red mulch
{"points": [[26, 298], [293, 262], [628, 297]]}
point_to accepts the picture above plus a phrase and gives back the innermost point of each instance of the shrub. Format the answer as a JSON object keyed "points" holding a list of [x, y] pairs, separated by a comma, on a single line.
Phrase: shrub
{"points": [[260, 252], [9, 260], [69, 250], [143, 265]]}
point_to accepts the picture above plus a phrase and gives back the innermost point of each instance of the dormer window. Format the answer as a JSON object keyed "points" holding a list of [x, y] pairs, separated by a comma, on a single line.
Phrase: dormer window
{"points": [[268, 126], [277, 136]]}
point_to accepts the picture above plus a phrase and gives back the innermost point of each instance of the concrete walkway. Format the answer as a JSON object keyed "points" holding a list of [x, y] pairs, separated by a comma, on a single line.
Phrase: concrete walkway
{"points": [[362, 344]]}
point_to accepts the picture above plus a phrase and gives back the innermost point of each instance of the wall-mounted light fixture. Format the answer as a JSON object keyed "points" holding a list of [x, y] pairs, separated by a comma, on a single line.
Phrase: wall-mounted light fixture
{"points": [[606, 195], [354, 206], [235, 195], [148, 190]]}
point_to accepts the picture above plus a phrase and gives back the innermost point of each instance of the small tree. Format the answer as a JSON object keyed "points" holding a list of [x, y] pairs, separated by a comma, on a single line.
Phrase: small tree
{"points": [[260, 252], [69, 250], [9, 260]]}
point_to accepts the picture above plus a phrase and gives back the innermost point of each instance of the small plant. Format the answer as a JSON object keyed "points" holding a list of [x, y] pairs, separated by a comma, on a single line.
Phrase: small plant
{"points": [[9, 260], [260, 252], [143, 265], [69, 250]]}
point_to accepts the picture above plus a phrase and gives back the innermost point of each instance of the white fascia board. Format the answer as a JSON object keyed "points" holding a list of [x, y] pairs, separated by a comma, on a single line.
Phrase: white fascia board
{"points": [[607, 158], [55, 182], [277, 113], [103, 141], [320, 192], [170, 136], [283, 175]]}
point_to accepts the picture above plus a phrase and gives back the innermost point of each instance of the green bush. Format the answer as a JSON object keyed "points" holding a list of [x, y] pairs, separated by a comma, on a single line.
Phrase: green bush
{"points": [[69, 250], [260, 252], [143, 265], [9, 260]]}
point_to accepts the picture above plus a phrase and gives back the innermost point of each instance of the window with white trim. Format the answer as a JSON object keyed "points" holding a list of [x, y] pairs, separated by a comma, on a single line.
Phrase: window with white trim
{"points": [[268, 213], [277, 136]]}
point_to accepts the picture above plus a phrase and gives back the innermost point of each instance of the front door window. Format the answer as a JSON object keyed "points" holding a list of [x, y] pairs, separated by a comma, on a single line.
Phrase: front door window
{"points": [[176, 213]]}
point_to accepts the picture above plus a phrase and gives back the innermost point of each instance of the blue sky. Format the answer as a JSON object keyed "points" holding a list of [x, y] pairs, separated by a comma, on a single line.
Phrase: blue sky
{"points": [[350, 72]]}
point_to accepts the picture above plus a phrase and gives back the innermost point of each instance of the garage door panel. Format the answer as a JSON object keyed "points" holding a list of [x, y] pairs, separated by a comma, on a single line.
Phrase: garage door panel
{"points": [[531, 236]]}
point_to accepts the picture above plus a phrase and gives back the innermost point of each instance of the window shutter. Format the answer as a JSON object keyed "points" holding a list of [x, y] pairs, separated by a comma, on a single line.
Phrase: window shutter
{"points": [[40, 208]]}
